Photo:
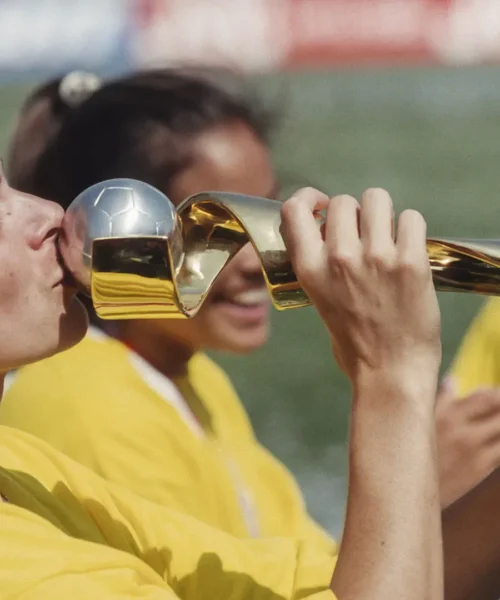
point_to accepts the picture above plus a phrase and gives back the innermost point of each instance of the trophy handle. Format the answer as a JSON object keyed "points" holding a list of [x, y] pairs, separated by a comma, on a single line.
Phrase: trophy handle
{"points": [[169, 276], [216, 226]]}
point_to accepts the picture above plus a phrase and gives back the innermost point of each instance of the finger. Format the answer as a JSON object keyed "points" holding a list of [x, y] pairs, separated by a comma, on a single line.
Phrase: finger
{"points": [[448, 391], [482, 405], [411, 238], [376, 221], [300, 230], [491, 460], [491, 448], [342, 224]]}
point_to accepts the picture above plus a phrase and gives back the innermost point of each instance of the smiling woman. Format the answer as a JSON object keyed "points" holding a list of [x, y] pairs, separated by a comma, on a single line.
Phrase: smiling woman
{"points": [[135, 396]]}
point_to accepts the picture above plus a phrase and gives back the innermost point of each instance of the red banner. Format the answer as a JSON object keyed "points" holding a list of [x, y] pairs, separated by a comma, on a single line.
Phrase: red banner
{"points": [[393, 31], [270, 34]]}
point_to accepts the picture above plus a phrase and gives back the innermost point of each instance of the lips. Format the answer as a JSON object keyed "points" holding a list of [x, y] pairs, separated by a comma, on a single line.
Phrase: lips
{"points": [[244, 298], [67, 279], [246, 308], [251, 297]]}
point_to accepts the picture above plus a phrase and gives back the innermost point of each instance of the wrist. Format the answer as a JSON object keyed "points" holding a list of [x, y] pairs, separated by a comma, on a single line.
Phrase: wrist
{"points": [[403, 388], [392, 429]]}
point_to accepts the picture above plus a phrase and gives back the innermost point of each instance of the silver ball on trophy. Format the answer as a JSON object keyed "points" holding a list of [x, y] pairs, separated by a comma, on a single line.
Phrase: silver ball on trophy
{"points": [[113, 224]]}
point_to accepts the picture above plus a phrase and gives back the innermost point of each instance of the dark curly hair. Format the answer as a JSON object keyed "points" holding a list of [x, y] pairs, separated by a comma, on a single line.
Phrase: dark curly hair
{"points": [[137, 126]]}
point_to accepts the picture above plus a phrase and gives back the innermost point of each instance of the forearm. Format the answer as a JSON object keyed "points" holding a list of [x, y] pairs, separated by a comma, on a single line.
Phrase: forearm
{"points": [[391, 548], [471, 538]]}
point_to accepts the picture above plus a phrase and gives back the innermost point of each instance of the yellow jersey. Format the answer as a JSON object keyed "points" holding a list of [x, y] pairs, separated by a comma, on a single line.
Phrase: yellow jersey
{"points": [[477, 364], [187, 445], [67, 533]]}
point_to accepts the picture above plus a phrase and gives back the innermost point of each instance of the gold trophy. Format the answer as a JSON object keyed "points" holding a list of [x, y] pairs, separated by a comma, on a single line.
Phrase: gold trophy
{"points": [[138, 257]]}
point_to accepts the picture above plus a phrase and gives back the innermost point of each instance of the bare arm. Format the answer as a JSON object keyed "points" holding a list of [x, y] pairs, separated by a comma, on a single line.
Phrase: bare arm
{"points": [[377, 300], [391, 547]]}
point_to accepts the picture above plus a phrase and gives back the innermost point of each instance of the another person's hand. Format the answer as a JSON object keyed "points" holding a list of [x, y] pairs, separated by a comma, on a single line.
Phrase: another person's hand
{"points": [[374, 293], [468, 438]]}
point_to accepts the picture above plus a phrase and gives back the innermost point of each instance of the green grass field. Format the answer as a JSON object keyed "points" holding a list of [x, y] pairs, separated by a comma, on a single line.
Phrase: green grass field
{"points": [[428, 136]]}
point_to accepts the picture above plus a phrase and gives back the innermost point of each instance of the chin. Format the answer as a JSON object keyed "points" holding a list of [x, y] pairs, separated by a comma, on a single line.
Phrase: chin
{"points": [[73, 326], [49, 336], [244, 343]]}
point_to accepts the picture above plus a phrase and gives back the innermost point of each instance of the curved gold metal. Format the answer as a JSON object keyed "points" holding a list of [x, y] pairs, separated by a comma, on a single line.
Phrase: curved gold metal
{"points": [[170, 276], [462, 265], [165, 265]]}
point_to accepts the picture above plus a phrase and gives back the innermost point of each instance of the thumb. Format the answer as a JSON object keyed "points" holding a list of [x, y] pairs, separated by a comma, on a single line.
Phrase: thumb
{"points": [[448, 390]]}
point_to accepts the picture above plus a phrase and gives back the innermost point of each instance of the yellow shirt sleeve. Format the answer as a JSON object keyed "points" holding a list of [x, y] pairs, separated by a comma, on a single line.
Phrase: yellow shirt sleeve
{"points": [[38, 561], [477, 363], [110, 524]]}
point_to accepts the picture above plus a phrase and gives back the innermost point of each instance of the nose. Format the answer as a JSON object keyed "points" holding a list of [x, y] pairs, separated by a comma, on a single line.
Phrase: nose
{"points": [[47, 221], [248, 262]]}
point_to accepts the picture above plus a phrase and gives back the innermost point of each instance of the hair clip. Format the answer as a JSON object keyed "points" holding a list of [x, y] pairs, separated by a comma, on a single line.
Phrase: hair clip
{"points": [[78, 86]]}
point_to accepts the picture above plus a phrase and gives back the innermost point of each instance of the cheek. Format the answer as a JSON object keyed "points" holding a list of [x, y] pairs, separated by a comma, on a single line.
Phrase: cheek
{"points": [[20, 283], [12, 292], [220, 284], [230, 274]]}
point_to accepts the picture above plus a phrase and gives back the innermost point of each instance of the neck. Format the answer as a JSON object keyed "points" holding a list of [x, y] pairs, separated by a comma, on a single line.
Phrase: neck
{"points": [[167, 355]]}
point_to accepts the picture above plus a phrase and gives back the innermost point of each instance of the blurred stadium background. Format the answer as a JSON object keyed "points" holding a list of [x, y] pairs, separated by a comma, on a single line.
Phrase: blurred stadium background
{"points": [[403, 94]]}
